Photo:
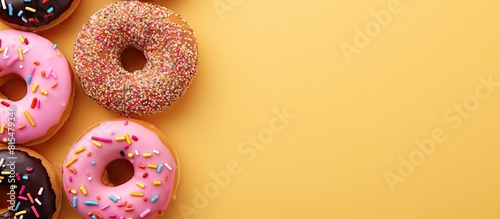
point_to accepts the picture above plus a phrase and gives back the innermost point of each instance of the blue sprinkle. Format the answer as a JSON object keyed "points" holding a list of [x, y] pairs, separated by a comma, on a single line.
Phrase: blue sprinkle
{"points": [[54, 47], [114, 199], [154, 199], [94, 217], [93, 163], [20, 13], [26, 178], [50, 10], [27, 0], [17, 206], [11, 10], [158, 169], [75, 200], [28, 80], [93, 203]]}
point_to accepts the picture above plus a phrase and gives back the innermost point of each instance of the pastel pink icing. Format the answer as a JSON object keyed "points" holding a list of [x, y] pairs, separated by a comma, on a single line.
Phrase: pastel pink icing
{"points": [[76, 173], [49, 108]]}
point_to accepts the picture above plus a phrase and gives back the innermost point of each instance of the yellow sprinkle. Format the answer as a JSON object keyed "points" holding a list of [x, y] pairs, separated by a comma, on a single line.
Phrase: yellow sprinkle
{"points": [[21, 57], [128, 139], [21, 38], [58, 53], [146, 155], [137, 194], [1, 50], [20, 212], [2, 129], [152, 166], [34, 88], [29, 118], [121, 138], [79, 150], [84, 190], [73, 192], [30, 9], [140, 185], [96, 143], [5, 172], [130, 155], [71, 161], [157, 183]]}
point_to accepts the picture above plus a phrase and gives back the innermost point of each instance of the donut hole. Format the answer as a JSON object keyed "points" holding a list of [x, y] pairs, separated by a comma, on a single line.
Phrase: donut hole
{"points": [[13, 87], [117, 172], [132, 59]]}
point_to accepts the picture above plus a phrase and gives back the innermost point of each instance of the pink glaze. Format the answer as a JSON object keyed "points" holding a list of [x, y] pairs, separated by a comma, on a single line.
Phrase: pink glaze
{"points": [[49, 109], [82, 173]]}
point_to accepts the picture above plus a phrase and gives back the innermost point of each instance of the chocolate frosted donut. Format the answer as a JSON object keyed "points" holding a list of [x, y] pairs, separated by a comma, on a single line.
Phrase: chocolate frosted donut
{"points": [[35, 15], [168, 43], [32, 185]]}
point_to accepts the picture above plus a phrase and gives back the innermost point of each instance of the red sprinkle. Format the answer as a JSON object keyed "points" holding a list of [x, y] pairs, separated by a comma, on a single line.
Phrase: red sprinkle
{"points": [[1, 69], [134, 138], [48, 15], [26, 41], [33, 103], [5, 103], [144, 175]]}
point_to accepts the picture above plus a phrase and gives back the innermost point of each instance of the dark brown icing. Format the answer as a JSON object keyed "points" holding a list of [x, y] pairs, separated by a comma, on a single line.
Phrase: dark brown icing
{"points": [[36, 179], [46, 11]]}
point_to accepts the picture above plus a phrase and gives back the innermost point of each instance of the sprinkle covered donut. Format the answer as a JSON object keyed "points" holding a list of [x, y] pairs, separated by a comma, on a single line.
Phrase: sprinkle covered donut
{"points": [[35, 15], [49, 88], [155, 171], [168, 43], [33, 188]]}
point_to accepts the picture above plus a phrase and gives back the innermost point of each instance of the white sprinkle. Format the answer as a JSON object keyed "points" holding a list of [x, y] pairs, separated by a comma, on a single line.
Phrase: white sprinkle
{"points": [[5, 52], [1, 161], [24, 19], [22, 216], [118, 197], [156, 152], [136, 153], [3, 5], [90, 178], [40, 191], [21, 66], [168, 166], [26, 50], [38, 201]]}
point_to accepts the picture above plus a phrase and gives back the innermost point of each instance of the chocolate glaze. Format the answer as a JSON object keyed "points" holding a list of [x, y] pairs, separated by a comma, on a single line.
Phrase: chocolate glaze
{"points": [[46, 11], [38, 178]]}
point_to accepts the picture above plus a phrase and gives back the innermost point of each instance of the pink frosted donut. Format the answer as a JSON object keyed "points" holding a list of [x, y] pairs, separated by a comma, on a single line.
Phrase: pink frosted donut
{"points": [[155, 171], [49, 88]]}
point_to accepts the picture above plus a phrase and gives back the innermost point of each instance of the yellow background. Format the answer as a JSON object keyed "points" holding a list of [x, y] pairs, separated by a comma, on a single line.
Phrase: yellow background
{"points": [[353, 120]]}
